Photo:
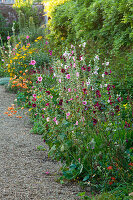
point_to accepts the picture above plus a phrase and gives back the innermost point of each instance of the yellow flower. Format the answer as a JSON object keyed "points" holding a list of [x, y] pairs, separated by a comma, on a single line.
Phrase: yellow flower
{"points": [[30, 109]]}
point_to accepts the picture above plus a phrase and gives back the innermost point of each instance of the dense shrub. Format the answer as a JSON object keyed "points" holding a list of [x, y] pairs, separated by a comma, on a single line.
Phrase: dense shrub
{"points": [[105, 25]]}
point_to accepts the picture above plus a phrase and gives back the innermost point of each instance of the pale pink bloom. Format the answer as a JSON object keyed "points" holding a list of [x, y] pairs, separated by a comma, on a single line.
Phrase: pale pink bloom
{"points": [[69, 89], [13, 49], [74, 65], [51, 97], [87, 83], [40, 78], [47, 119], [84, 102], [77, 74], [67, 114], [74, 59], [75, 90], [33, 62], [71, 46], [84, 44], [8, 37], [102, 63], [44, 108], [27, 37], [79, 159], [56, 122], [72, 51], [34, 95], [68, 76], [76, 123], [36, 114], [103, 75], [60, 80], [107, 63], [47, 172], [97, 57]]}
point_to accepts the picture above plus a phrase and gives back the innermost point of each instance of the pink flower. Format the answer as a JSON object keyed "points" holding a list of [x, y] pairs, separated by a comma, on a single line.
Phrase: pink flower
{"points": [[79, 159], [84, 102], [68, 76], [71, 99], [46, 42], [47, 104], [51, 97], [56, 122], [27, 37], [40, 78], [77, 74], [8, 37], [69, 89], [75, 90], [54, 119], [60, 80], [47, 172], [74, 65], [34, 95], [33, 62], [67, 114]]}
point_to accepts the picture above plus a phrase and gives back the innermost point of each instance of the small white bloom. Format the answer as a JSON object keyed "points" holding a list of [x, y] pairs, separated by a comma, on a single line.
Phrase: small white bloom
{"points": [[84, 44], [107, 63], [101, 86], [105, 85], [103, 75]]}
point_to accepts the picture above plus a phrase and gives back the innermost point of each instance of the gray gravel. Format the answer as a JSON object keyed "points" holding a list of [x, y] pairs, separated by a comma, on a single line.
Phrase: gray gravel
{"points": [[22, 166]]}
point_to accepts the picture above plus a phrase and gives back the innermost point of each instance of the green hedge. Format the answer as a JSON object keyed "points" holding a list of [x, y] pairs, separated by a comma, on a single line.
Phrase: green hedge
{"points": [[106, 25]]}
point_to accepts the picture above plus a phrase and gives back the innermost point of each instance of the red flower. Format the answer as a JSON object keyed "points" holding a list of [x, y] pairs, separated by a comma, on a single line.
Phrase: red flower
{"points": [[110, 168], [84, 90], [48, 92], [111, 182], [131, 164], [94, 121], [106, 73], [113, 178], [47, 104], [63, 70]]}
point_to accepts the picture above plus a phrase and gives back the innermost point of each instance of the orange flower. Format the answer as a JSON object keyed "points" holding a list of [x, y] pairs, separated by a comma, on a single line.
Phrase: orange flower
{"points": [[24, 74], [5, 112], [15, 111], [110, 168], [22, 108], [13, 86], [20, 71], [12, 111], [131, 164], [10, 115], [10, 108], [113, 178]]}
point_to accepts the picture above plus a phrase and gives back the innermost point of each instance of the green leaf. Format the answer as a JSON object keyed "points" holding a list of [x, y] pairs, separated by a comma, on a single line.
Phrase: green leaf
{"points": [[86, 178]]}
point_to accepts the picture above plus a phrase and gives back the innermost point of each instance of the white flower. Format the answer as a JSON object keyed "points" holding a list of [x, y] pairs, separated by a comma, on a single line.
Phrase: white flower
{"points": [[103, 75], [107, 63], [101, 86], [105, 85], [84, 44]]}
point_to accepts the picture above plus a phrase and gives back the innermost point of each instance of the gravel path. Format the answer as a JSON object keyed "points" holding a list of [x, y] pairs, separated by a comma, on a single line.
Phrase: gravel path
{"points": [[22, 167]]}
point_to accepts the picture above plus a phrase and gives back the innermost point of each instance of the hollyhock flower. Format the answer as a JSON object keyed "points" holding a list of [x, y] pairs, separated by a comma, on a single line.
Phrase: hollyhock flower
{"points": [[110, 168], [62, 70], [60, 102], [33, 62], [47, 119], [50, 52], [108, 87], [67, 114], [46, 42], [54, 119], [42, 116], [56, 122], [47, 172], [47, 104], [84, 102], [107, 63], [40, 78], [8, 37], [73, 59], [34, 99], [75, 90], [68, 76], [94, 121], [84, 90], [106, 73], [74, 65], [97, 57], [51, 97], [27, 37], [77, 74], [81, 57], [34, 95], [59, 80], [69, 89], [48, 92], [44, 108], [88, 69], [83, 68], [76, 123], [71, 99], [33, 105], [103, 75]]}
